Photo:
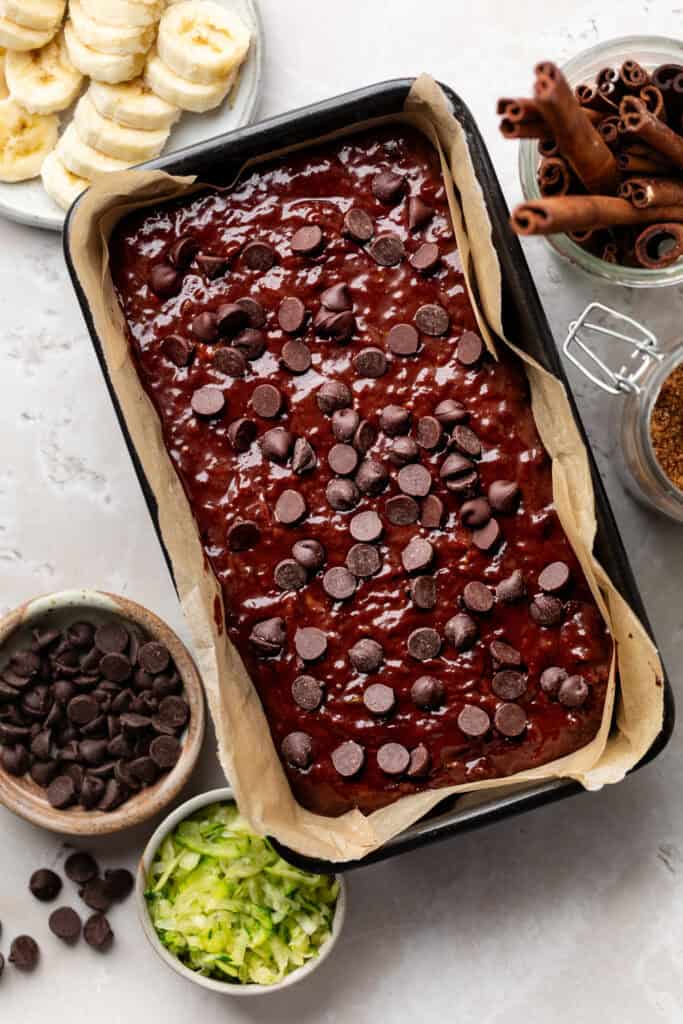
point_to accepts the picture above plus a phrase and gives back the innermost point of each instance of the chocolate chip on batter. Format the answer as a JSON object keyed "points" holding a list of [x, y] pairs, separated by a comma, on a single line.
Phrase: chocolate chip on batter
{"points": [[365, 437], [366, 655], [333, 395], [182, 252], [336, 298], [546, 610], [266, 400], [403, 340], [268, 637], [420, 762], [310, 554], [432, 512], [241, 434], [477, 597], [307, 693], [165, 281], [473, 721], [424, 643], [510, 720], [276, 444], [363, 560], [508, 684], [211, 266], [297, 749], [290, 508], [419, 213], [475, 513], [348, 759], [291, 314], [344, 424], [428, 432], [511, 589], [371, 477], [461, 631], [552, 678], [573, 692], [503, 496], [423, 592], [177, 350], [554, 578], [504, 654], [231, 319], [358, 225], [394, 420], [255, 312], [296, 356], [466, 441], [450, 412], [427, 692], [415, 480], [230, 361], [336, 326], [401, 510], [289, 575], [432, 319], [470, 349], [342, 495], [427, 258], [379, 699], [387, 249], [459, 473], [370, 362], [307, 241], [205, 327], [343, 459], [339, 583], [366, 527], [388, 187], [250, 342], [404, 450], [259, 256], [393, 758], [208, 401], [417, 555], [243, 535], [303, 457], [487, 537]]}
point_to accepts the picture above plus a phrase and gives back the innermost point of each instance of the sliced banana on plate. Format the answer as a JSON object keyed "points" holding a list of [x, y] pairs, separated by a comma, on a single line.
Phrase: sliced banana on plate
{"points": [[25, 141], [41, 15], [18, 37], [182, 93], [84, 161], [126, 13], [202, 41], [59, 183], [112, 139], [102, 67], [109, 38], [133, 104], [43, 81]]}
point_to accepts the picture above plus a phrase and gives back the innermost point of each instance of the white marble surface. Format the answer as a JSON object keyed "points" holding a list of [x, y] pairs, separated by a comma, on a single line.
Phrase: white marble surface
{"points": [[573, 913]]}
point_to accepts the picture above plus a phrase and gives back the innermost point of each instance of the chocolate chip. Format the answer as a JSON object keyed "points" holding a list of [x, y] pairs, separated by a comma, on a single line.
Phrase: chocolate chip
{"points": [[165, 281], [508, 684], [419, 214], [205, 327], [339, 583], [114, 667], [551, 680], [177, 350], [344, 424], [366, 527], [573, 692], [432, 319], [387, 249], [208, 401], [342, 495], [291, 314], [310, 554], [276, 444], [363, 560], [365, 437], [296, 357], [231, 362], [65, 924], [348, 759], [243, 535], [115, 793], [266, 401], [231, 319], [337, 326], [165, 751], [371, 477], [120, 881], [310, 643], [43, 772], [511, 589], [61, 792], [250, 342], [477, 597], [450, 412], [144, 770], [423, 592], [343, 459], [289, 575], [297, 749], [459, 473], [41, 745], [15, 760], [419, 762], [111, 638], [24, 953], [510, 720], [259, 256], [466, 441], [546, 610], [256, 314], [388, 187], [470, 349], [268, 637], [404, 450], [358, 225], [427, 258], [401, 510], [333, 395], [174, 712], [45, 885], [366, 655], [427, 692], [290, 508], [97, 932], [473, 721], [379, 699], [475, 513], [241, 434], [307, 240], [84, 708], [554, 578], [337, 298], [424, 643], [487, 537], [307, 693], [370, 362], [91, 792], [211, 266], [93, 752], [415, 480], [394, 420], [503, 495], [417, 555], [403, 340], [432, 512], [428, 432], [393, 758], [182, 252], [504, 654]]}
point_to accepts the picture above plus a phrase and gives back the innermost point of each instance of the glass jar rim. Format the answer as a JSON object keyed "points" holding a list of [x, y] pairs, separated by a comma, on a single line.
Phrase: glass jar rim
{"points": [[650, 394]]}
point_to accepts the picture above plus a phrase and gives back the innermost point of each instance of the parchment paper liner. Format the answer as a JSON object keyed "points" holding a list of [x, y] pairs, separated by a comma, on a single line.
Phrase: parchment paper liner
{"points": [[245, 749]]}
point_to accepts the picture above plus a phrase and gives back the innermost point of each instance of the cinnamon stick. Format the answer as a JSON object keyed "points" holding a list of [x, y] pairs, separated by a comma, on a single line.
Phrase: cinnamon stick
{"points": [[638, 120], [575, 213], [577, 139], [633, 75], [609, 129], [548, 147], [523, 129], [659, 245], [521, 109], [654, 101], [522, 124], [644, 192], [554, 177]]}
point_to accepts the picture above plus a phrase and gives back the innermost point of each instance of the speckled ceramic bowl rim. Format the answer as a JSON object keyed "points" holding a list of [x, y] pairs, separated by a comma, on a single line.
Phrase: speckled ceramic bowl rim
{"points": [[225, 988], [23, 797]]}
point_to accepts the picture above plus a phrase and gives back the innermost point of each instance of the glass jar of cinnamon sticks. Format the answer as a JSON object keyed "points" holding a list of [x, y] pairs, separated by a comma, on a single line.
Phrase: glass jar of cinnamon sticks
{"points": [[648, 52]]}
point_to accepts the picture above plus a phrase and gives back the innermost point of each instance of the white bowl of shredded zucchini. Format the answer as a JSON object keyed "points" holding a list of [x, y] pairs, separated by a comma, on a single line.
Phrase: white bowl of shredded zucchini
{"points": [[222, 908]]}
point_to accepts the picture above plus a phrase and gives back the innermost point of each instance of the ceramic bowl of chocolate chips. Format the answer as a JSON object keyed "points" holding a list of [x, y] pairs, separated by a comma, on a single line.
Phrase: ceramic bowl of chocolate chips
{"points": [[101, 712]]}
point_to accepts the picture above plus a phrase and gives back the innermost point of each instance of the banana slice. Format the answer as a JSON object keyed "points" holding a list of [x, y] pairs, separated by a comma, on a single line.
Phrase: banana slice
{"points": [[133, 105], [84, 161], [126, 13], [59, 183], [43, 81], [109, 38], [41, 15], [18, 37], [4, 91], [202, 41], [113, 139], [25, 141], [181, 92], [102, 67]]}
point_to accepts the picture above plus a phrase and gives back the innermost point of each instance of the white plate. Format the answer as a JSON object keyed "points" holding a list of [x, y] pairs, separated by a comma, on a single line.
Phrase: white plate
{"points": [[29, 203]]}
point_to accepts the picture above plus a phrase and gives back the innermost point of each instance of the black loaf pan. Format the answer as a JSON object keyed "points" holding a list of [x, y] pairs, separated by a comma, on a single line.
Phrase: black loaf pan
{"points": [[217, 161]]}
